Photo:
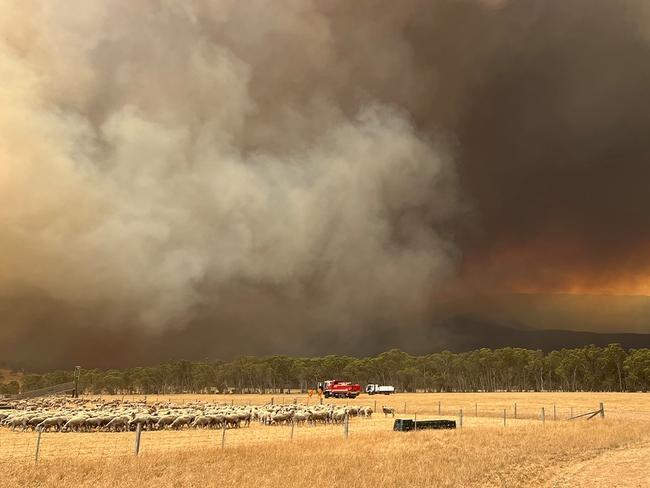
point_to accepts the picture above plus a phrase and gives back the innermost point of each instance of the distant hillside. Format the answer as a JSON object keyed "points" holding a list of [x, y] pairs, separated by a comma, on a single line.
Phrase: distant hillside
{"points": [[465, 334]]}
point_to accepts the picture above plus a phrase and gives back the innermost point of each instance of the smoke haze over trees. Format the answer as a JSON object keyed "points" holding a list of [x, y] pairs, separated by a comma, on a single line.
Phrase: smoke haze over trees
{"points": [[589, 368]]}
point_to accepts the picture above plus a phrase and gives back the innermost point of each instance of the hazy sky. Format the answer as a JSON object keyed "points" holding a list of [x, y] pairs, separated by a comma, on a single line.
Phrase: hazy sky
{"points": [[211, 178]]}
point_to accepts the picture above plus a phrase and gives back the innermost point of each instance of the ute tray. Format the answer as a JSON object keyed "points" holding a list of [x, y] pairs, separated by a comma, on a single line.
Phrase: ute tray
{"points": [[404, 425]]}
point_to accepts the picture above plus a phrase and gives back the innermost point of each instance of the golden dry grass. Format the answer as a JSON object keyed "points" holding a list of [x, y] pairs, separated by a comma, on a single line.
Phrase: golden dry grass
{"points": [[529, 405], [483, 453]]}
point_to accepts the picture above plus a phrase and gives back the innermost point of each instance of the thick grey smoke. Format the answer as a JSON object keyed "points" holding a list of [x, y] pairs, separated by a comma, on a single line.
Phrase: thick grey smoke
{"points": [[161, 158], [211, 178]]}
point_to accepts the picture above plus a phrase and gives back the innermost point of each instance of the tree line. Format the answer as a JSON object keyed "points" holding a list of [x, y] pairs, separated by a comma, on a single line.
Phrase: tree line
{"points": [[589, 368]]}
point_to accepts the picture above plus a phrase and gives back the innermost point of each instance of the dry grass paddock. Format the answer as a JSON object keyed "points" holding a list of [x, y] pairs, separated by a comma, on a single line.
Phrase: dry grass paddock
{"points": [[484, 453], [529, 405]]}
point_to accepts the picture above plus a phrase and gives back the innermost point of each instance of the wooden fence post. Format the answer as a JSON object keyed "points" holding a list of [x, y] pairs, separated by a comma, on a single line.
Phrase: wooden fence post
{"points": [[476, 410], [554, 416], [515, 409], [293, 424], [346, 425], [138, 433], [404, 407], [504, 417], [271, 400], [415, 422], [571, 412], [38, 445], [223, 435], [461, 418], [438, 407], [543, 416], [602, 410]]}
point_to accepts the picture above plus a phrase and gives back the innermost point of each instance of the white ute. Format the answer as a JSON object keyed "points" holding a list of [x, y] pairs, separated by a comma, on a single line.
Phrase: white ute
{"points": [[375, 389]]}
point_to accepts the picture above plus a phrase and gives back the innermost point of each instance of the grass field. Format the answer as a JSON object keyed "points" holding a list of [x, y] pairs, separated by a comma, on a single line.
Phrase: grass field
{"points": [[525, 452], [529, 405]]}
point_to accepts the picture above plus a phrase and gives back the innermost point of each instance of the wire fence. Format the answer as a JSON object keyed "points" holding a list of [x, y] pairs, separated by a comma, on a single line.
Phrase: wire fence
{"points": [[38, 447], [35, 447], [513, 410]]}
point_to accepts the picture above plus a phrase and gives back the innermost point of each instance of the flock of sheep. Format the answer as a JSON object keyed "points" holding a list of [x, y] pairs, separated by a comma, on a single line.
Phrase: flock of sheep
{"points": [[62, 414]]}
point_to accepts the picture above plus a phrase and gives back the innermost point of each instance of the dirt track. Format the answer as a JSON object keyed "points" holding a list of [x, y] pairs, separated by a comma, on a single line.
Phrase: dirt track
{"points": [[623, 467]]}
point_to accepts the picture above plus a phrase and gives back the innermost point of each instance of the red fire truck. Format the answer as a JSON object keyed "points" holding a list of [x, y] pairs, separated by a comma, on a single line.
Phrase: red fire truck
{"points": [[339, 389]]}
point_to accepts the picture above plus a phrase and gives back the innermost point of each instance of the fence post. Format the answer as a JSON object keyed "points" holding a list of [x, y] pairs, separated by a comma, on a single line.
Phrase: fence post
{"points": [[571, 412], [38, 445], [461, 418], [554, 416], [543, 416], [77, 374], [515, 409], [375, 406], [476, 410], [271, 400], [438, 407], [223, 435], [602, 410], [504, 417], [293, 424], [415, 422], [346, 425], [404, 407], [138, 433]]}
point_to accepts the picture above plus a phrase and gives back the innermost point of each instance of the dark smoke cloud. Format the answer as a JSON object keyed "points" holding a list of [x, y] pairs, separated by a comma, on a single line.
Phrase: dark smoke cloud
{"points": [[555, 154], [194, 179]]}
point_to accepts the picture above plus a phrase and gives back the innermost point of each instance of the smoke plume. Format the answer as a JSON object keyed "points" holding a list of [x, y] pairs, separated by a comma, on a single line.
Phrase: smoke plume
{"points": [[164, 158], [199, 178]]}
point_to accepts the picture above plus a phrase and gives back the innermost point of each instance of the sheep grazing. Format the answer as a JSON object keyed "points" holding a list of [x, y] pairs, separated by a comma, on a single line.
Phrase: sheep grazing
{"points": [[388, 411], [301, 418], [52, 422], [181, 422], [202, 421], [75, 424], [232, 421], [165, 421], [118, 424], [321, 416], [60, 414]]}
